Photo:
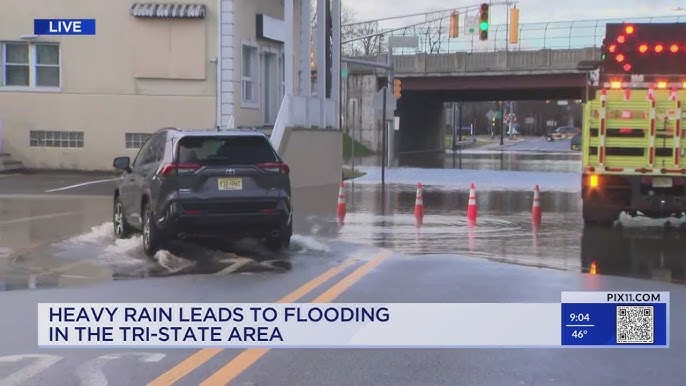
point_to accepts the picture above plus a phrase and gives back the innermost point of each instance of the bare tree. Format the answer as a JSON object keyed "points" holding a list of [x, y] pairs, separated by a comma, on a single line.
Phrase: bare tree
{"points": [[361, 38]]}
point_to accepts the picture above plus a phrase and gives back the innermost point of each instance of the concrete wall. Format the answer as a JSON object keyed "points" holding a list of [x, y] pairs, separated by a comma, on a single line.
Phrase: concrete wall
{"points": [[545, 61], [315, 158], [358, 110]]}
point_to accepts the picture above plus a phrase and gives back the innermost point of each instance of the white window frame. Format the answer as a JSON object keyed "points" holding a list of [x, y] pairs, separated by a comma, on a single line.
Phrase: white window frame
{"points": [[254, 103], [33, 65]]}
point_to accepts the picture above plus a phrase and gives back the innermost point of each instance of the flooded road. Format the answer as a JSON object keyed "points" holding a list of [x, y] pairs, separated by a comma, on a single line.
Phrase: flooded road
{"points": [[39, 249]]}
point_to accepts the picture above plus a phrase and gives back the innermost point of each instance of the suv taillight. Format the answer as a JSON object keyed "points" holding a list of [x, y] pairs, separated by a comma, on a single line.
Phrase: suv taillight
{"points": [[275, 167], [181, 168]]}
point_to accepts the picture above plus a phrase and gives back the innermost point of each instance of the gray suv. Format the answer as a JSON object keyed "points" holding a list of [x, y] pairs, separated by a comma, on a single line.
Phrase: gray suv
{"points": [[188, 184]]}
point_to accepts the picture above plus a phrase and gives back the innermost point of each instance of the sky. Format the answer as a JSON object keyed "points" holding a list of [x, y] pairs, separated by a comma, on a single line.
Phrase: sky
{"points": [[531, 11]]}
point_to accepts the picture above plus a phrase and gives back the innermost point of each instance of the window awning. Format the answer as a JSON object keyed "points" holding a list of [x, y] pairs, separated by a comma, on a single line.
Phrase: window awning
{"points": [[168, 10]]}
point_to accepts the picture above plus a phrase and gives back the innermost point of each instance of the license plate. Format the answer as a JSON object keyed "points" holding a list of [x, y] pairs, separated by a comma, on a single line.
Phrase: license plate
{"points": [[662, 182], [230, 184]]}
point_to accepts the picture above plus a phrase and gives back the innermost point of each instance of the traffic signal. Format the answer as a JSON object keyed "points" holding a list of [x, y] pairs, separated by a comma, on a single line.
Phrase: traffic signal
{"points": [[514, 26], [397, 88], [454, 25], [483, 22]]}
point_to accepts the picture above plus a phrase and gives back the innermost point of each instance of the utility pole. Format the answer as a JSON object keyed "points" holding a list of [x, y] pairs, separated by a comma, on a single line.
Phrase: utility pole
{"points": [[383, 136], [501, 123]]}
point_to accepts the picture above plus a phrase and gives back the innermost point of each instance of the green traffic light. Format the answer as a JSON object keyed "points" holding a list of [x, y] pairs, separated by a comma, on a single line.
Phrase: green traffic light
{"points": [[602, 56], [483, 26]]}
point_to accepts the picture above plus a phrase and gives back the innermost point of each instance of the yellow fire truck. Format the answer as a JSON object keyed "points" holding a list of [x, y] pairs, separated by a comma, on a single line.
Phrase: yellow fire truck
{"points": [[632, 135]]}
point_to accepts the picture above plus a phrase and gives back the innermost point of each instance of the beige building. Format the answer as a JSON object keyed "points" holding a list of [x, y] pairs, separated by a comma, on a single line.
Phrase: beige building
{"points": [[76, 102]]}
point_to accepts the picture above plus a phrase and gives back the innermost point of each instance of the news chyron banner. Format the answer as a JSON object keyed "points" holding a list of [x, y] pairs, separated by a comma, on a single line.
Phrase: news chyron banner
{"points": [[581, 319]]}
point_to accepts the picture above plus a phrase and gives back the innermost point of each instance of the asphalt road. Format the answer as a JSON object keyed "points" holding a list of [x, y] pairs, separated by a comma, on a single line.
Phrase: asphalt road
{"points": [[540, 144], [336, 271], [440, 278]]}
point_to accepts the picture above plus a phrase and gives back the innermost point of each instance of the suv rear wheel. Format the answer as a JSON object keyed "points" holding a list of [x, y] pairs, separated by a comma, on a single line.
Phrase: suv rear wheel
{"points": [[152, 238], [122, 229]]}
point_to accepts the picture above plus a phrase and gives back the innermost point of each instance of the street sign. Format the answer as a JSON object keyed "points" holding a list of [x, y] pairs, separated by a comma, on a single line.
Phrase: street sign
{"points": [[403, 41], [377, 102], [470, 24]]}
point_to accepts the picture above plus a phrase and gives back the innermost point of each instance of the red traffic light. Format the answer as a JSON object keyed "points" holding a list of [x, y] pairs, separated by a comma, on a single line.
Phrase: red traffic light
{"points": [[629, 29], [621, 39], [627, 67], [643, 48], [620, 58], [674, 48], [484, 7], [659, 48], [612, 48]]}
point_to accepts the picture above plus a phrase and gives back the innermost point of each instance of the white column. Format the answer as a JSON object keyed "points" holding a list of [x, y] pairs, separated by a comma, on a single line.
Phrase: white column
{"points": [[336, 59], [305, 48], [289, 55], [320, 48]]}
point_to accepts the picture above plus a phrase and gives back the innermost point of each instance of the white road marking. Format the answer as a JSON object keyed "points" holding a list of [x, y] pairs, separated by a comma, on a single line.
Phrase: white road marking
{"points": [[41, 217], [8, 175], [80, 185], [42, 363], [91, 374], [238, 263]]}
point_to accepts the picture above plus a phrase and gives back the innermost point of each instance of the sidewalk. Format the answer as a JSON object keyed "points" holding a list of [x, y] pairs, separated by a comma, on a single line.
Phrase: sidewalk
{"points": [[484, 142]]}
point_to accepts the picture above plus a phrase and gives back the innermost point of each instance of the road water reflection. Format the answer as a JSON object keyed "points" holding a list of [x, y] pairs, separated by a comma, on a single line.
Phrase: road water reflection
{"points": [[638, 247]]}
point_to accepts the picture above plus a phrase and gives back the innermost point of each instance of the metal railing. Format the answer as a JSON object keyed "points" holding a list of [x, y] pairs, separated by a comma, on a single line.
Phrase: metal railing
{"points": [[433, 37]]}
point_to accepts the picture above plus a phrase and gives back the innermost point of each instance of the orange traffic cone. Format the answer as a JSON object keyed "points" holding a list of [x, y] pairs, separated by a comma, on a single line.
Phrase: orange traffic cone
{"points": [[419, 205], [471, 208], [340, 207], [536, 208]]}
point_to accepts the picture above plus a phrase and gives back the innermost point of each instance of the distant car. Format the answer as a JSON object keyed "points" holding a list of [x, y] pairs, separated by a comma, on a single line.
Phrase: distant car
{"points": [[225, 184], [576, 142], [564, 132]]}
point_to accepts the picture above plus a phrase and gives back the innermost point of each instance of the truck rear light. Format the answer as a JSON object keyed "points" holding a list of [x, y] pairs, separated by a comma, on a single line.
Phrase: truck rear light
{"points": [[275, 167], [179, 168], [593, 181]]}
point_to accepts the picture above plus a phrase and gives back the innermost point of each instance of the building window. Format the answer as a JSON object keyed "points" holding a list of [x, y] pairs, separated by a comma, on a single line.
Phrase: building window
{"points": [[135, 140], [30, 64], [42, 138], [249, 75]]}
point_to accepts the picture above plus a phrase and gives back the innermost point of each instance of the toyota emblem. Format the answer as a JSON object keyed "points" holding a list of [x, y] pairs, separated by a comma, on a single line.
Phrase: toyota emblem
{"points": [[230, 171]]}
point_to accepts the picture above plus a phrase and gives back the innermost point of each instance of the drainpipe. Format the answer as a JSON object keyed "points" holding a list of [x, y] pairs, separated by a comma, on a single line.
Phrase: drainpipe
{"points": [[218, 63]]}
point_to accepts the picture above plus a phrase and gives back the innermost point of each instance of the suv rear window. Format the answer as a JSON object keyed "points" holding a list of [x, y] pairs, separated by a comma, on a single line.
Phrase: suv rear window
{"points": [[225, 150]]}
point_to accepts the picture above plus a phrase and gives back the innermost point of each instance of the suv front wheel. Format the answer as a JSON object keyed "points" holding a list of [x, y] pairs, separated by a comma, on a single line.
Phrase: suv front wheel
{"points": [[152, 238]]}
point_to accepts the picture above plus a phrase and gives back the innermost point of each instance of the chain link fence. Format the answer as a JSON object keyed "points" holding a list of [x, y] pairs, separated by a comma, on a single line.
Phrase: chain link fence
{"points": [[433, 36]]}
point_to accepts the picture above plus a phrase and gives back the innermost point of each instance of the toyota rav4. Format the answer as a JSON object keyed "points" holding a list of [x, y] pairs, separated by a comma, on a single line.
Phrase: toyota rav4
{"points": [[191, 184]]}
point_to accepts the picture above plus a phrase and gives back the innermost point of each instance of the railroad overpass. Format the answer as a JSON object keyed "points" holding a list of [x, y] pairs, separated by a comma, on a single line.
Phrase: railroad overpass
{"points": [[429, 80]]}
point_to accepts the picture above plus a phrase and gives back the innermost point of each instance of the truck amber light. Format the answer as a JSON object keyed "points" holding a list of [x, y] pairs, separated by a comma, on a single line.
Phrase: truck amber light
{"points": [[594, 268], [593, 181]]}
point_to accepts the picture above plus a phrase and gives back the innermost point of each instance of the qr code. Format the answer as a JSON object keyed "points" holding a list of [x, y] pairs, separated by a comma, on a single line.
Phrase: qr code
{"points": [[635, 324]]}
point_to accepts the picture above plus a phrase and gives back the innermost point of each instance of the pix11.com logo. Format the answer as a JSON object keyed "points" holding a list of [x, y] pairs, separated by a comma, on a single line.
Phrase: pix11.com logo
{"points": [[64, 26]]}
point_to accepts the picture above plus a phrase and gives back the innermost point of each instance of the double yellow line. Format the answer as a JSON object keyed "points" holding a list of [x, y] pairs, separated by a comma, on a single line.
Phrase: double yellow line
{"points": [[248, 357]]}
